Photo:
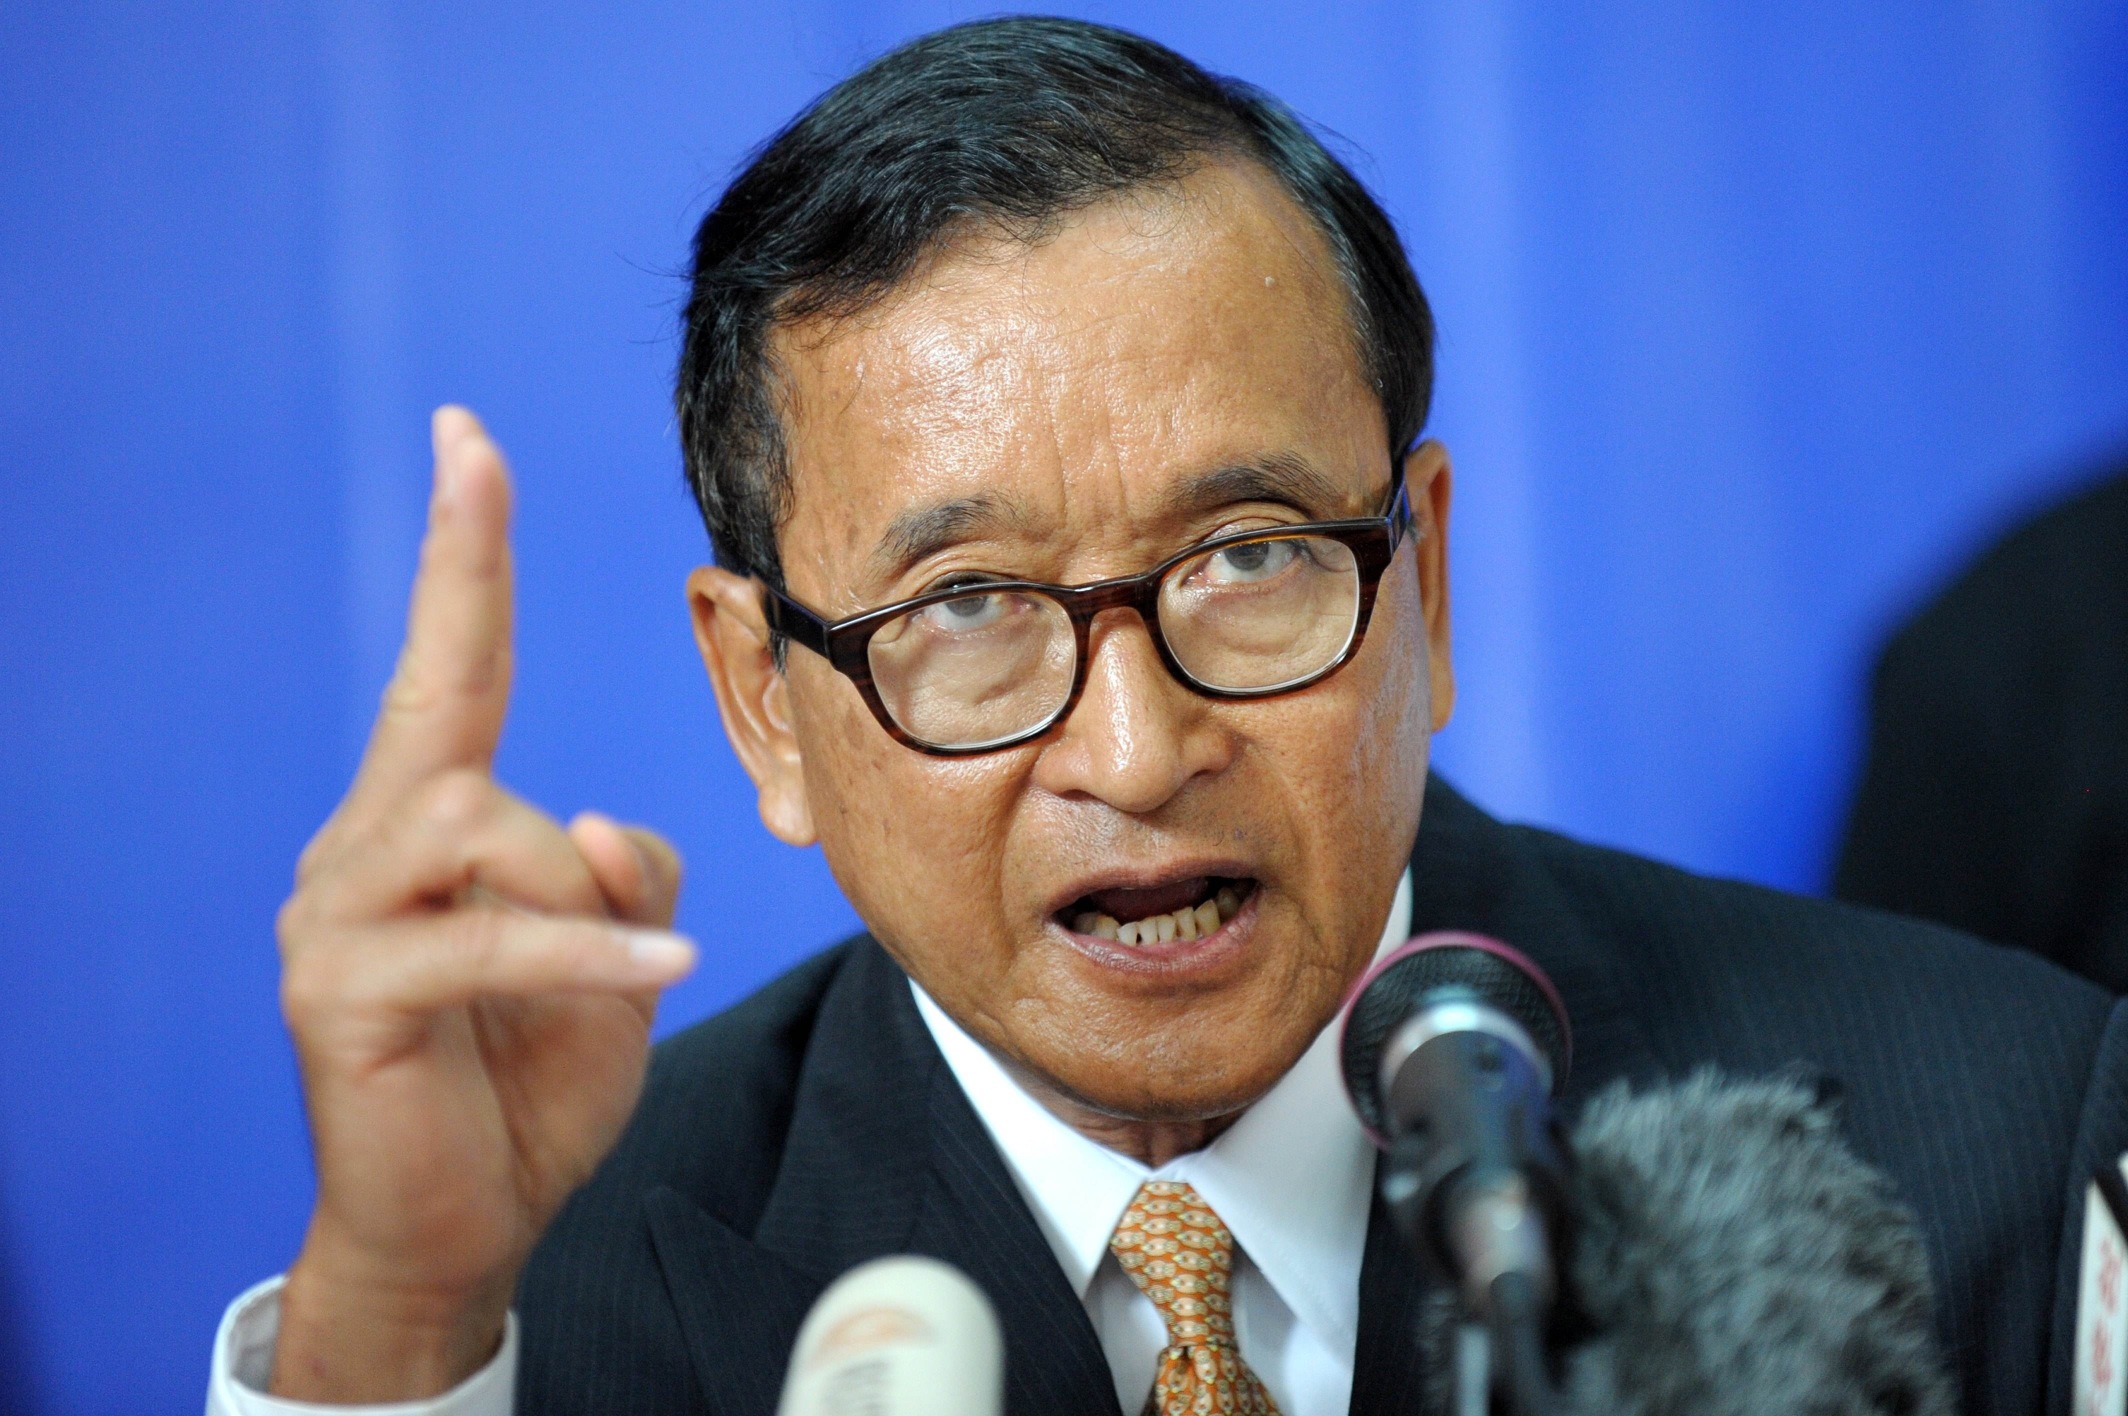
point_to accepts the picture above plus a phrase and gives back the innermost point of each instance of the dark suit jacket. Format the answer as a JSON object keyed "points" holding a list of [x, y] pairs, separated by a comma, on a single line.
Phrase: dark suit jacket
{"points": [[815, 1125], [1995, 797]]}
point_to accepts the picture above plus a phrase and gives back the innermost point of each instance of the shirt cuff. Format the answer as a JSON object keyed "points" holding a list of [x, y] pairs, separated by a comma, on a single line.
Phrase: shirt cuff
{"points": [[243, 1364]]}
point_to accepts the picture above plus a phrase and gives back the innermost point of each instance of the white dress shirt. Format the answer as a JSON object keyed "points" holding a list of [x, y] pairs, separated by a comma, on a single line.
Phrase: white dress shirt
{"points": [[1291, 1179], [243, 1362]]}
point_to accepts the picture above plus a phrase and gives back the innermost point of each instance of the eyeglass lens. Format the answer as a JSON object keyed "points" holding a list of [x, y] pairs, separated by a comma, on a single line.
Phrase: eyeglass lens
{"points": [[989, 666]]}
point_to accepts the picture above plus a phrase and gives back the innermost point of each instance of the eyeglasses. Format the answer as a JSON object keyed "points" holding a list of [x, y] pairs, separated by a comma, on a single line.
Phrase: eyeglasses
{"points": [[984, 666]]}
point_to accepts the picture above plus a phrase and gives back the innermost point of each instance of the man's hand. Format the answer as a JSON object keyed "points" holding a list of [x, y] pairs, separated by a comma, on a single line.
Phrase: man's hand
{"points": [[470, 986]]}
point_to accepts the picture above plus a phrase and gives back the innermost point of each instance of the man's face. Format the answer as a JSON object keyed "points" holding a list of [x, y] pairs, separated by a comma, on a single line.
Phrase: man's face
{"points": [[1073, 398]]}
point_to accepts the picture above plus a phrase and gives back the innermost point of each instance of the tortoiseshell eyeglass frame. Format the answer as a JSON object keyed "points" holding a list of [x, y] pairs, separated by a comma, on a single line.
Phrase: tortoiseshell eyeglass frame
{"points": [[845, 643]]}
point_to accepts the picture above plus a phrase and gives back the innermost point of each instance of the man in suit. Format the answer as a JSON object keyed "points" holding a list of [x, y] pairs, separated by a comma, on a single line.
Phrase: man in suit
{"points": [[1082, 591], [1995, 795]]}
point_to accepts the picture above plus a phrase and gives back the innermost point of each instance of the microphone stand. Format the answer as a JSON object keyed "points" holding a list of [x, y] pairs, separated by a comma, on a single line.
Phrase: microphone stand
{"points": [[1476, 1182], [1521, 1366]]}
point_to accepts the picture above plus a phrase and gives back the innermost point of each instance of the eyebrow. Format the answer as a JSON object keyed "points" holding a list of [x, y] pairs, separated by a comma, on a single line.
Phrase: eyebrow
{"points": [[921, 530], [1273, 477], [1281, 477]]}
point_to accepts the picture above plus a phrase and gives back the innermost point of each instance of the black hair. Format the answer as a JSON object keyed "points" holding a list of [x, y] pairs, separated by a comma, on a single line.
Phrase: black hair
{"points": [[1011, 123]]}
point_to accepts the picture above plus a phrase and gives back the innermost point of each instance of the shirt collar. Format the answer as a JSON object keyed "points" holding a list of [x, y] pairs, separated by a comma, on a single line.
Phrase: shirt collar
{"points": [[1300, 1140]]}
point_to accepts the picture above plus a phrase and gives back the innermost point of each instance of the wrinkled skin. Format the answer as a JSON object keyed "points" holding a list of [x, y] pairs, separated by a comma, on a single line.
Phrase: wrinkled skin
{"points": [[1078, 384]]}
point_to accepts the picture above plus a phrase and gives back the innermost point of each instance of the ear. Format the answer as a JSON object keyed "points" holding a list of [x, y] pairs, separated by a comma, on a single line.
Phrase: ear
{"points": [[752, 697], [1430, 480]]}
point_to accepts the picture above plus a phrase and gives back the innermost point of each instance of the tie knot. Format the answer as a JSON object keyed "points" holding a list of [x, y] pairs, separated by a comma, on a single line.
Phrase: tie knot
{"points": [[1179, 1254]]}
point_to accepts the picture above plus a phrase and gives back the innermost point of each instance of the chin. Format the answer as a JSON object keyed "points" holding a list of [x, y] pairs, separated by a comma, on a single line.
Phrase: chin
{"points": [[1159, 1078]]}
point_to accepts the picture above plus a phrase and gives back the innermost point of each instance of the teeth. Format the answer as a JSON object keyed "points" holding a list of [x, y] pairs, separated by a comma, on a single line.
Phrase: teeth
{"points": [[1189, 922]]}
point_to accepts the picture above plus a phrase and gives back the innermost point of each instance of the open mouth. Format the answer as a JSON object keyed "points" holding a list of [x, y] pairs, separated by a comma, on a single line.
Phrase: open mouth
{"points": [[1157, 914]]}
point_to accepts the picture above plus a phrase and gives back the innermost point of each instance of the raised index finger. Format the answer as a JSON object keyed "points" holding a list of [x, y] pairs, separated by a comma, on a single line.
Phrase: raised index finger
{"points": [[444, 707]]}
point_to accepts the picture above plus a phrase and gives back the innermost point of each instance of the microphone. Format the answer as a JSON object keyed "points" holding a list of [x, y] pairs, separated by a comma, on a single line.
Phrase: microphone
{"points": [[1452, 1048], [1728, 1254], [1735, 1258], [896, 1337]]}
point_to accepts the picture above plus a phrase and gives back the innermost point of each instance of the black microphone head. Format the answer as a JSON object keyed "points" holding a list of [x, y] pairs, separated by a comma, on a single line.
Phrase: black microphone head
{"points": [[1439, 966], [1736, 1258], [1733, 1256]]}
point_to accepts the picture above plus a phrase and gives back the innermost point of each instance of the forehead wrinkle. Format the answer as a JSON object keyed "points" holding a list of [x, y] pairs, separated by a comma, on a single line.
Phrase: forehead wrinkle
{"points": [[997, 363]]}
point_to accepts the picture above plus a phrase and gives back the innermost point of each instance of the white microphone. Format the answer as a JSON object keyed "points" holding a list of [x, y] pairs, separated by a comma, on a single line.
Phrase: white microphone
{"points": [[895, 1337]]}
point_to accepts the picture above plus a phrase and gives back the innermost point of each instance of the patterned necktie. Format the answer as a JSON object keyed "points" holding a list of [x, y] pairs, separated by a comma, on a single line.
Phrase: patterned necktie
{"points": [[1180, 1256]]}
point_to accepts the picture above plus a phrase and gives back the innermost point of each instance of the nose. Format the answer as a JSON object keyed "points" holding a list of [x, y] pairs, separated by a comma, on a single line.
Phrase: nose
{"points": [[1136, 737]]}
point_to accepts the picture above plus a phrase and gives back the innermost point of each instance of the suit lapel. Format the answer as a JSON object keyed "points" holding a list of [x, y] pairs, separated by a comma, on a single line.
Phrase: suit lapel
{"points": [[739, 1304], [974, 1218], [884, 1156]]}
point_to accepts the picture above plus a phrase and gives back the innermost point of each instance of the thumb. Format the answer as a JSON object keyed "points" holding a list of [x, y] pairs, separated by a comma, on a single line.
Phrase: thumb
{"points": [[637, 870]]}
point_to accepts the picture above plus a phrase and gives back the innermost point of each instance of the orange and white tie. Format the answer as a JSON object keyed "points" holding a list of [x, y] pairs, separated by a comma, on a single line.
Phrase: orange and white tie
{"points": [[1178, 1253]]}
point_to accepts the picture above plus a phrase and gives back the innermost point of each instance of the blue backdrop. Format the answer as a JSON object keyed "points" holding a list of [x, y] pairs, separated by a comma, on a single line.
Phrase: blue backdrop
{"points": [[1755, 319]]}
